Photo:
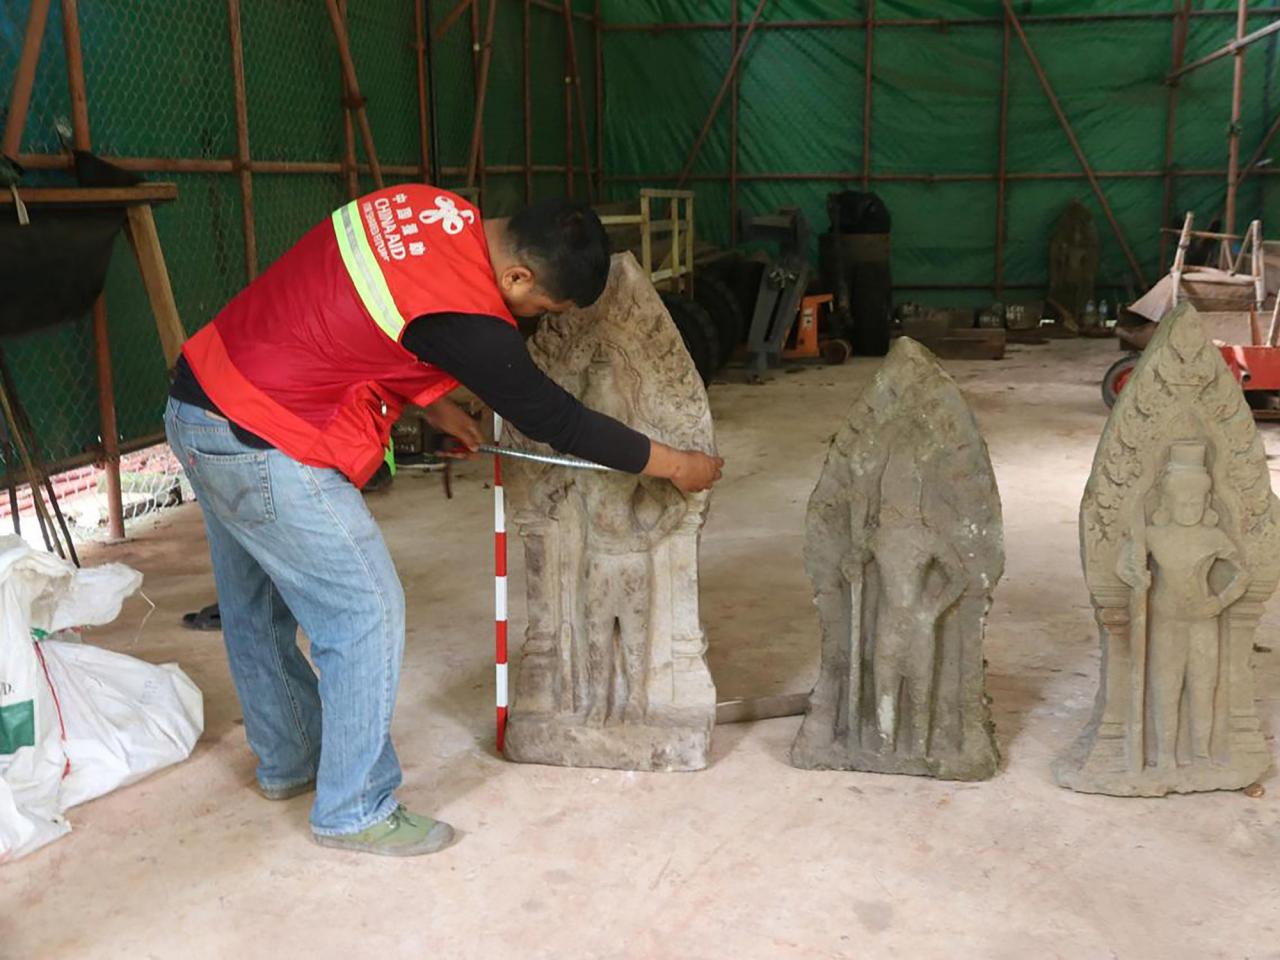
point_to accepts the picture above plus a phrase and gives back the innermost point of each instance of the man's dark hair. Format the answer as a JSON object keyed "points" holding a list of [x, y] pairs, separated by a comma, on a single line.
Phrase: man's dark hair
{"points": [[566, 247]]}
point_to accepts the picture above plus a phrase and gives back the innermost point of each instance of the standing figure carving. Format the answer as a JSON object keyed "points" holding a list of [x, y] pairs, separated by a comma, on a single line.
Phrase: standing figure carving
{"points": [[613, 672], [919, 577], [1179, 538], [1073, 264], [627, 516], [904, 549]]}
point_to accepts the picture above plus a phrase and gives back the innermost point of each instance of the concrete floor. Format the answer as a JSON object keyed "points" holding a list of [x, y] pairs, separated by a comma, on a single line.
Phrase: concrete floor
{"points": [[750, 858]]}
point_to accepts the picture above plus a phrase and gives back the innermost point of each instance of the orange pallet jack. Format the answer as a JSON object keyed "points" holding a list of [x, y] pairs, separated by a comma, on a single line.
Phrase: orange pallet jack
{"points": [[806, 341]]}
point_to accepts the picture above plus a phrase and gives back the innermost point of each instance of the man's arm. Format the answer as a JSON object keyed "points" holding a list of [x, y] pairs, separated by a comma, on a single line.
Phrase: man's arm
{"points": [[488, 356]]}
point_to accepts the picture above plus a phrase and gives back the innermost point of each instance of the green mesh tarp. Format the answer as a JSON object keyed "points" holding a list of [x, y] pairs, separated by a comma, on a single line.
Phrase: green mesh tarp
{"points": [[936, 111], [159, 85]]}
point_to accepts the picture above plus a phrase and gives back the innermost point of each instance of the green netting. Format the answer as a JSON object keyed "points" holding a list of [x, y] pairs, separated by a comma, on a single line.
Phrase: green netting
{"points": [[935, 111], [159, 84], [293, 88]]}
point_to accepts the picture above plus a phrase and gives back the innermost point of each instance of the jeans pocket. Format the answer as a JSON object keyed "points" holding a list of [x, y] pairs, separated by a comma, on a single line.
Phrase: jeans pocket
{"points": [[236, 486]]}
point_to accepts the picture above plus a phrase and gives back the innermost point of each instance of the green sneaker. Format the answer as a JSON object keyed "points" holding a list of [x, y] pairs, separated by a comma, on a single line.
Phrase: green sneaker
{"points": [[287, 793], [403, 834]]}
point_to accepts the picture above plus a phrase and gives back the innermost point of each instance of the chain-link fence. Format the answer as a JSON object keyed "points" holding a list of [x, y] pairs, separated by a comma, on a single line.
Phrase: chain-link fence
{"points": [[162, 101]]}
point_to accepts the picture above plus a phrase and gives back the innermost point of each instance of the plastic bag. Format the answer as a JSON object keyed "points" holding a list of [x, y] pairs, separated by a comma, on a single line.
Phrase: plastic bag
{"points": [[124, 718], [76, 721], [32, 759]]}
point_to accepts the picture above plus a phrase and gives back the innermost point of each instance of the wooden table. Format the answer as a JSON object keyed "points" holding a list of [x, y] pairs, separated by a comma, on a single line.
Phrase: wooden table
{"points": [[140, 228]]}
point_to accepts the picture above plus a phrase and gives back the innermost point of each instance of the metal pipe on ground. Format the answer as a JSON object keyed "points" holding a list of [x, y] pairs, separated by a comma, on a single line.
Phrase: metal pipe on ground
{"points": [[751, 709]]}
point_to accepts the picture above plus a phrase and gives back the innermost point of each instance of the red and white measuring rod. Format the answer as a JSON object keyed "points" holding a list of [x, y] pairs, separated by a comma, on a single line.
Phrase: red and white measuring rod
{"points": [[500, 585]]}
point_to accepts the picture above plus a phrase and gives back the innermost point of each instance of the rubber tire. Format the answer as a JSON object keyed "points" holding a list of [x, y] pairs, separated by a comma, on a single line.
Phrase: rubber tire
{"points": [[718, 299], [698, 332], [742, 277], [1118, 372]]}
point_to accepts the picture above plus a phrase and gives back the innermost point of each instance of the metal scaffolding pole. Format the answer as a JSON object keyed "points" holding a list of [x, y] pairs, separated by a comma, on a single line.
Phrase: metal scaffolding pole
{"points": [[1233, 132]]}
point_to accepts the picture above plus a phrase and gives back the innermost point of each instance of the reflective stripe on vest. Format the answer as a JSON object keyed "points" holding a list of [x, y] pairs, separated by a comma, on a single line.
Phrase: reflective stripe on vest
{"points": [[362, 266]]}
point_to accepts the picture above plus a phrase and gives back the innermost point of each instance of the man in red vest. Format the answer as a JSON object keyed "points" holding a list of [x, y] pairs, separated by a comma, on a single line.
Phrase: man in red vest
{"points": [[282, 407]]}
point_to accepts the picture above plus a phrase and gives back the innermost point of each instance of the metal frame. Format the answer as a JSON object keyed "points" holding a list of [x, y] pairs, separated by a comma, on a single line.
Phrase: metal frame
{"points": [[1181, 23], [1180, 14], [928, 23], [725, 84], [141, 226], [677, 266], [1233, 131], [782, 285], [1045, 84], [597, 180], [1002, 168]]}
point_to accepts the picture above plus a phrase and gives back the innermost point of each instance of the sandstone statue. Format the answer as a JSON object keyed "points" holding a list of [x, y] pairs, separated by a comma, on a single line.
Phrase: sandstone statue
{"points": [[904, 548], [1181, 548], [613, 671], [1073, 265]]}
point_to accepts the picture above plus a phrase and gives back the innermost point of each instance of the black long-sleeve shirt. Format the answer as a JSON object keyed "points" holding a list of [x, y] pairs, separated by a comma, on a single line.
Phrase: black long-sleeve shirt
{"points": [[488, 356]]}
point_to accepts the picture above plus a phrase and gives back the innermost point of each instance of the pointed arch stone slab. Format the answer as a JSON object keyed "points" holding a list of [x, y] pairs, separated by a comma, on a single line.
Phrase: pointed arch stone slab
{"points": [[613, 671], [904, 546], [1180, 541]]}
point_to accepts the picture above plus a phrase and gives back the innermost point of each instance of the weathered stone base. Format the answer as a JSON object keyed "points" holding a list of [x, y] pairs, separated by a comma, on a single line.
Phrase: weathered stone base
{"points": [[568, 741], [1099, 764], [978, 762]]}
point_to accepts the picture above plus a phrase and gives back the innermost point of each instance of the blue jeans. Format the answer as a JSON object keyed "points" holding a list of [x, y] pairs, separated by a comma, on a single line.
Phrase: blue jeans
{"points": [[294, 546]]}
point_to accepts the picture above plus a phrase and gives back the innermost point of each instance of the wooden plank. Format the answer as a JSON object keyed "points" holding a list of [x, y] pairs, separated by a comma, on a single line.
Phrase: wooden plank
{"points": [[110, 429], [75, 74], [975, 344], [451, 18], [144, 195], [141, 228], [242, 140], [356, 102], [1233, 129], [102, 350], [351, 172], [1234, 48], [24, 78], [482, 89], [575, 79], [420, 62]]}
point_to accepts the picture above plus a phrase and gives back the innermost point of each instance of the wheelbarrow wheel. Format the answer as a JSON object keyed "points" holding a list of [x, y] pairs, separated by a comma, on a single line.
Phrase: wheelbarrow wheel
{"points": [[1116, 377]]}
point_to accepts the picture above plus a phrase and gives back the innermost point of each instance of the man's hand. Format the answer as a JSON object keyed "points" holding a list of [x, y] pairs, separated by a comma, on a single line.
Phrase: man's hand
{"points": [[690, 470], [447, 417], [695, 471]]}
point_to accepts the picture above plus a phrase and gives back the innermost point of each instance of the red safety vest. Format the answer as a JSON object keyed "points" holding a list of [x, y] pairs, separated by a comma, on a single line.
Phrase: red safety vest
{"points": [[308, 356]]}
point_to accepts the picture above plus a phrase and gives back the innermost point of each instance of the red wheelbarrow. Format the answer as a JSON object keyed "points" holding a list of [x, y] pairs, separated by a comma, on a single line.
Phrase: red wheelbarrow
{"points": [[1238, 286], [1255, 367]]}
